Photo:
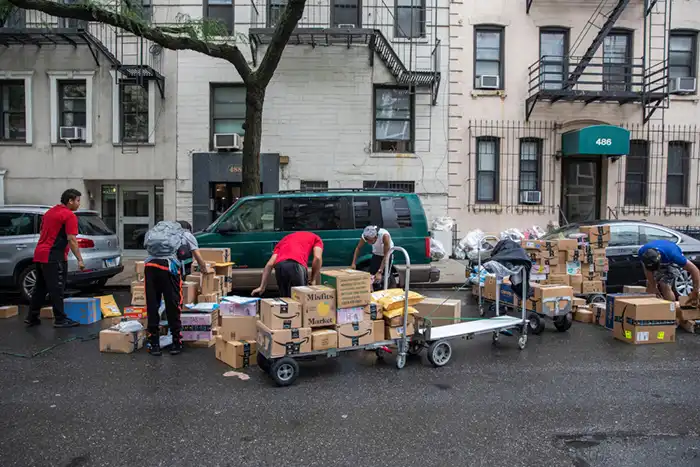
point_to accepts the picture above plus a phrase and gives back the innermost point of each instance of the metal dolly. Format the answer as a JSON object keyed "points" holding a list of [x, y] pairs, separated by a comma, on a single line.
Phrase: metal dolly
{"points": [[284, 370]]}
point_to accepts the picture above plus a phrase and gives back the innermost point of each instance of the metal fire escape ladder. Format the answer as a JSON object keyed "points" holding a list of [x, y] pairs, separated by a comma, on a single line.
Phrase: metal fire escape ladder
{"points": [[597, 41], [655, 92]]}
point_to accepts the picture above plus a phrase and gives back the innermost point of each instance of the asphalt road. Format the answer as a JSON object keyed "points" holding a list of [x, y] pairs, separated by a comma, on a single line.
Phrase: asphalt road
{"points": [[578, 398]]}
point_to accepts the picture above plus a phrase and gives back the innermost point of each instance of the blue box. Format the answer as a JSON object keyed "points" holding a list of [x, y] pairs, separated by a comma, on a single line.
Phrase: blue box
{"points": [[610, 305], [507, 297], [83, 310]]}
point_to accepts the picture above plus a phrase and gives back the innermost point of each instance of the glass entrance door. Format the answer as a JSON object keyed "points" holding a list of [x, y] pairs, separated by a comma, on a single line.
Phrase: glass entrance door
{"points": [[136, 215], [580, 190]]}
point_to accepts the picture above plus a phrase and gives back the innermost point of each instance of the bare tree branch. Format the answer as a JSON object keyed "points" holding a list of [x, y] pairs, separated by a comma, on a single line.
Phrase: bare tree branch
{"points": [[285, 26], [87, 12]]}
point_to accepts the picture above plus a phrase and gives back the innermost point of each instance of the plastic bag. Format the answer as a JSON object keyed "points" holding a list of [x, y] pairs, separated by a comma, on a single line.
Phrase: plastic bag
{"points": [[512, 234], [443, 223], [203, 307], [128, 326], [437, 251]]}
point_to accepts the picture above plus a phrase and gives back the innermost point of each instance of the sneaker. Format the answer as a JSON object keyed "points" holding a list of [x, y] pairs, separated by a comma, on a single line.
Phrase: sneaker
{"points": [[176, 347], [32, 322], [65, 323], [154, 345]]}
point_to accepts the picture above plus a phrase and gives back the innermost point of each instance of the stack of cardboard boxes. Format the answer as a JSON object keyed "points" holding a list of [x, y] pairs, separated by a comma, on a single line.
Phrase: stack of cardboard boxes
{"points": [[237, 333], [688, 315]]}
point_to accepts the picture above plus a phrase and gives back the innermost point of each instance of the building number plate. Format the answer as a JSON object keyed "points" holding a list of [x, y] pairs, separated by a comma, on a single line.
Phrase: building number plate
{"points": [[603, 142]]}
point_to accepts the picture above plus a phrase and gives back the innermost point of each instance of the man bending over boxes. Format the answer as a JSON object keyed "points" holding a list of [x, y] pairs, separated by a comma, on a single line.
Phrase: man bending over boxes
{"points": [[662, 261]]}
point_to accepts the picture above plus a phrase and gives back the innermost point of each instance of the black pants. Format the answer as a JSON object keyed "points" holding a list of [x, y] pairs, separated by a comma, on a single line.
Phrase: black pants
{"points": [[374, 264], [290, 274], [161, 284], [50, 278]]}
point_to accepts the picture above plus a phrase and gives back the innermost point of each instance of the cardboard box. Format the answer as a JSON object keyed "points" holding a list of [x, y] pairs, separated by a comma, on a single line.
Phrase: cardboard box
{"points": [[239, 306], [190, 291], [568, 244], [558, 279], [216, 255], [685, 302], [280, 313], [610, 305], [598, 235], [583, 315], [237, 354], [138, 295], [576, 282], [281, 342], [687, 314], [397, 332], [352, 287], [355, 334], [543, 299], [83, 310], [46, 312], [353, 315], [644, 320], [237, 328], [219, 285], [135, 312], [113, 341], [691, 326], [439, 311], [599, 314], [578, 302], [317, 305], [592, 287], [209, 298], [209, 267], [378, 330], [373, 312], [208, 285], [323, 339], [197, 326], [224, 269], [8, 311], [140, 268]]}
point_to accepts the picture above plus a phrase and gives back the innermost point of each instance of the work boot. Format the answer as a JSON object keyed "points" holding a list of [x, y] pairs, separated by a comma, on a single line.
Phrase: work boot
{"points": [[176, 346], [154, 342]]}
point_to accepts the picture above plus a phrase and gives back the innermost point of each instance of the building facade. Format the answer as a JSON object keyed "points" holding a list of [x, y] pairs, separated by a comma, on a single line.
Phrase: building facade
{"points": [[569, 111]]}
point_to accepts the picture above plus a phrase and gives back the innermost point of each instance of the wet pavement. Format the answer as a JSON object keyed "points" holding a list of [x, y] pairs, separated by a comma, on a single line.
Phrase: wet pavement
{"points": [[578, 398]]}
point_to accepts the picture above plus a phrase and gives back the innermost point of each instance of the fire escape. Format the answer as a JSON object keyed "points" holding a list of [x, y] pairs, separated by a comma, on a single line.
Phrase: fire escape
{"points": [[591, 78]]}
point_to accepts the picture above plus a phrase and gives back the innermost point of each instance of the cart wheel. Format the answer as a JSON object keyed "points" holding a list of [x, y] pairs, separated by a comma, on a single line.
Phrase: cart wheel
{"points": [[563, 323], [439, 353], [414, 349], [400, 361], [522, 342], [596, 298], [536, 323], [284, 371], [263, 363]]}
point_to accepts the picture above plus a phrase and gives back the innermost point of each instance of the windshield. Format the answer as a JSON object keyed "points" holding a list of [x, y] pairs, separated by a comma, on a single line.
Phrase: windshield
{"points": [[91, 224]]}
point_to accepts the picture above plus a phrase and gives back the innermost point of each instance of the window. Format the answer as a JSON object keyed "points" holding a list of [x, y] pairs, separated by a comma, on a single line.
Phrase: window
{"points": [[315, 213], [617, 61], [409, 187], [72, 98], [393, 119], [255, 215], [677, 173], [227, 109], [410, 18], [554, 44], [142, 9], [134, 113], [108, 204], [682, 54], [274, 11], [13, 126], [16, 223], [530, 163], [16, 19], [307, 185], [367, 211], [221, 11], [346, 12], [652, 233], [488, 55], [624, 235], [146, 10], [395, 212], [487, 170], [637, 173], [92, 225]]}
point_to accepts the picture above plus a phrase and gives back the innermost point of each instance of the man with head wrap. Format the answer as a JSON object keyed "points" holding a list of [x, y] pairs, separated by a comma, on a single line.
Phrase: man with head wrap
{"points": [[381, 242]]}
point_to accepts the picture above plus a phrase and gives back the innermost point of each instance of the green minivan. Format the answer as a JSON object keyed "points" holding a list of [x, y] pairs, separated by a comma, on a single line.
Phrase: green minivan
{"points": [[255, 224]]}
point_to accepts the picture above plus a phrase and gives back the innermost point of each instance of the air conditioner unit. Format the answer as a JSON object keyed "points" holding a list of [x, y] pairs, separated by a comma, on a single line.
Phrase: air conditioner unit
{"points": [[346, 26], [531, 197], [227, 141], [489, 82], [71, 133], [682, 85]]}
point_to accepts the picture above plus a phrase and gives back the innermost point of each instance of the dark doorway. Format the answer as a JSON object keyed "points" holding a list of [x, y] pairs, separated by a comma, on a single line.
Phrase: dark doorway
{"points": [[580, 191], [222, 196]]}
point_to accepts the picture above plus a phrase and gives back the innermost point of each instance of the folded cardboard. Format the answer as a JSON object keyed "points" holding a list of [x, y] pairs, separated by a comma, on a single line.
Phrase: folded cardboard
{"points": [[83, 310], [9, 311], [355, 334], [281, 342], [644, 320], [114, 341], [323, 339], [397, 332], [239, 306], [280, 313], [352, 287], [317, 305], [440, 311], [237, 328], [237, 354]]}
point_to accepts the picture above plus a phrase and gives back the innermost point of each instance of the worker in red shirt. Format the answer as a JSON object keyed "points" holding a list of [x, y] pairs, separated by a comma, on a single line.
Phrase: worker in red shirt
{"points": [[58, 230], [290, 258]]}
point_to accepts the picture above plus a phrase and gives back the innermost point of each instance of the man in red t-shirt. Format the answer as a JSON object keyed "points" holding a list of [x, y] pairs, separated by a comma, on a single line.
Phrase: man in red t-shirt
{"points": [[290, 258], [58, 230]]}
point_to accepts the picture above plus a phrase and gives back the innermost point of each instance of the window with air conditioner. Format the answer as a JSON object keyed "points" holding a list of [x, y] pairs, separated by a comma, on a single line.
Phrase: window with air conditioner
{"points": [[487, 165], [72, 105], [530, 171], [227, 141], [393, 119], [488, 56], [346, 14], [227, 110], [682, 58]]}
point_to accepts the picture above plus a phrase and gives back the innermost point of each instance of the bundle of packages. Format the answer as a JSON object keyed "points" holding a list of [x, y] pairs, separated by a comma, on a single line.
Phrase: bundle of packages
{"points": [[391, 302]]}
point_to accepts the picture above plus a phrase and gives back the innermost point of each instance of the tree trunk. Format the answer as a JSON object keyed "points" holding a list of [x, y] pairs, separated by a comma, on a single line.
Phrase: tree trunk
{"points": [[254, 98]]}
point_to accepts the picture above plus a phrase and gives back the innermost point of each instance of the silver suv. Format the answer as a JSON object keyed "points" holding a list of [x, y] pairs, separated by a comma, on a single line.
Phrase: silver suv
{"points": [[19, 233]]}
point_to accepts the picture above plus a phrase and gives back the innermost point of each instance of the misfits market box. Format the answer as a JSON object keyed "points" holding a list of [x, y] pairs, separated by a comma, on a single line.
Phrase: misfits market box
{"points": [[352, 287], [281, 342], [280, 313], [645, 320], [317, 305], [237, 354], [354, 334]]}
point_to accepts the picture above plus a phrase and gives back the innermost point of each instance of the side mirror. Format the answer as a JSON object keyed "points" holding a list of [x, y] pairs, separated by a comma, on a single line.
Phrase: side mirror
{"points": [[227, 228]]}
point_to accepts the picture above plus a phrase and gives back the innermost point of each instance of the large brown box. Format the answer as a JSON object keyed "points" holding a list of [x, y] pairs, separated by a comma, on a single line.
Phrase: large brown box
{"points": [[238, 328], [280, 313], [283, 342], [439, 311], [237, 354], [352, 288], [355, 334], [317, 305], [644, 320], [324, 339]]}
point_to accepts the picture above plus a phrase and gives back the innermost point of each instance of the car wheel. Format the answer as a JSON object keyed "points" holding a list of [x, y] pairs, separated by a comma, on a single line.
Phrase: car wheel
{"points": [[684, 283], [26, 282]]}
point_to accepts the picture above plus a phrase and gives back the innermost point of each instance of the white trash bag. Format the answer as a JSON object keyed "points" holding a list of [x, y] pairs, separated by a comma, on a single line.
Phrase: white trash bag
{"points": [[437, 251], [443, 223]]}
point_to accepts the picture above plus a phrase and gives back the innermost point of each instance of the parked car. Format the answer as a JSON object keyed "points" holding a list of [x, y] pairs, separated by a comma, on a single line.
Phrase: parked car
{"points": [[255, 224], [626, 237], [20, 226]]}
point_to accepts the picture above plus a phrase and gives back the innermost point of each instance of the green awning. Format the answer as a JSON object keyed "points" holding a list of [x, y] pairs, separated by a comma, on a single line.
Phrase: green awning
{"points": [[596, 140]]}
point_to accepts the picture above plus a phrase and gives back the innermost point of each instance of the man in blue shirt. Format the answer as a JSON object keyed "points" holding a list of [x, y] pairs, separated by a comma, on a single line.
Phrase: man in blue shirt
{"points": [[662, 261]]}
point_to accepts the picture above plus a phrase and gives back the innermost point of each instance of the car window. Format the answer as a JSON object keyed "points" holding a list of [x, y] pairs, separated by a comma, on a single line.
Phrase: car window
{"points": [[366, 211], [395, 212], [92, 225], [562, 233], [16, 223], [314, 213], [652, 233], [255, 215], [624, 235]]}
